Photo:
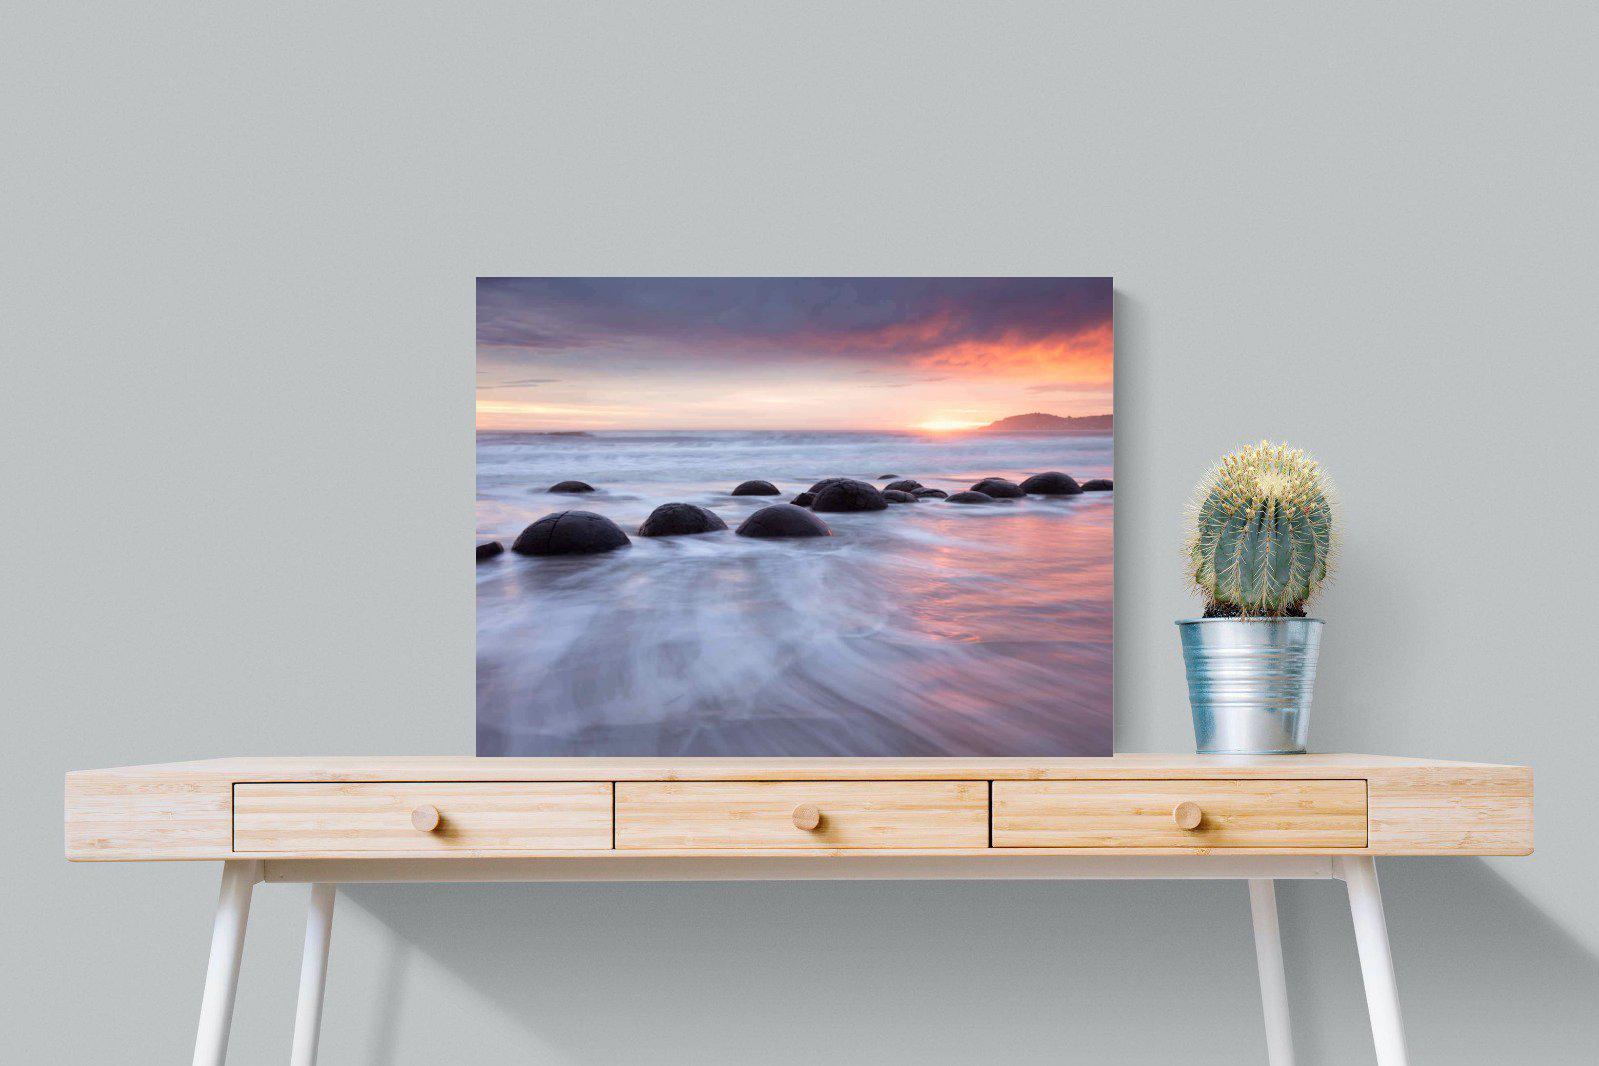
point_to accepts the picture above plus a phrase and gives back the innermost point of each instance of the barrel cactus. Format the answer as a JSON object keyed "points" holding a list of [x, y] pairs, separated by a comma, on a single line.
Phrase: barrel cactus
{"points": [[1261, 534]]}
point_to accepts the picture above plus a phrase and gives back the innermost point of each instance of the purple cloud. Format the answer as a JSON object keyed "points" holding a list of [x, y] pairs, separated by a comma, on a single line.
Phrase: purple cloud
{"points": [[786, 317]]}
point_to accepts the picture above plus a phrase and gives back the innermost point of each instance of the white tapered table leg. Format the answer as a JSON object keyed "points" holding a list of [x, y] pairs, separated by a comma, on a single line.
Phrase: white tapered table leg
{"points": [[1376, 960], [313, 976], [1273, 981], [239, 877]]}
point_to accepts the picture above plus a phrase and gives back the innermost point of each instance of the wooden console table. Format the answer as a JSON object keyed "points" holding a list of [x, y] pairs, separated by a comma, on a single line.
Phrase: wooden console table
{"points": [[330, 821]]}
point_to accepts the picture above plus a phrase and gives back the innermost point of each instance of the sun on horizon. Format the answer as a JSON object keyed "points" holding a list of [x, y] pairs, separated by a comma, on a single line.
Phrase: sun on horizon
{"points": [[947, 425]]}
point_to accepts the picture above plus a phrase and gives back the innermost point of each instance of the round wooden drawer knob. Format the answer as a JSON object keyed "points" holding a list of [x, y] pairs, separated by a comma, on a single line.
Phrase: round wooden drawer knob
{"points": [[1187, 815], [425, 818], [807, 816]]}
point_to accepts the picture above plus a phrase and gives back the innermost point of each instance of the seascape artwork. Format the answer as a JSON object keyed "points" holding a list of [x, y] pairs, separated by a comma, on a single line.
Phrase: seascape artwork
{"points": [[794, 516]]}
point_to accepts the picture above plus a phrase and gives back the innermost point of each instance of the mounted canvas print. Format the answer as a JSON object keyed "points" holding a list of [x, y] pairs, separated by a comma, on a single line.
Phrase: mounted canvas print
{"points": [[794, 516]]}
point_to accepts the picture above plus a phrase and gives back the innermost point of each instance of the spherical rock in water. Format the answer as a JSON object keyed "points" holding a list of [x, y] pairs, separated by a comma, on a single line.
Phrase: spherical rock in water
{"points": [[783, 520], [847, 495], [903, 486], [1053, 483], [756, 488], [896, 496], [570, 486], [826, 481], [571, 533], [970, 497], [930, 494], [804, 499], [489, 550], [680, 519], [1098, 484], [998, 488]]}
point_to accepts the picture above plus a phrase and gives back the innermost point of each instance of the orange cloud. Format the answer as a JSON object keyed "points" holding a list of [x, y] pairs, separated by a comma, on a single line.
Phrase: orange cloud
{"points": [[1082, 359]]}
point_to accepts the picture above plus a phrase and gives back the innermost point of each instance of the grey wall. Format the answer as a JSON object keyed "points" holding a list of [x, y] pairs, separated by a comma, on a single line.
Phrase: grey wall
{"points": [[237, 477]]}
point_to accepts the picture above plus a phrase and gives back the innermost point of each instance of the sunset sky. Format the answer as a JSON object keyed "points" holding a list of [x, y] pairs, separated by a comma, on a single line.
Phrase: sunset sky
{"points": [[928, 354]]}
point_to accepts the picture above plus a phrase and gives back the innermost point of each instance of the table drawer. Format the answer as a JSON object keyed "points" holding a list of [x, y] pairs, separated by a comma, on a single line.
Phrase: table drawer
{"points": [[774, 814], [513, 816], [1156, 814]]}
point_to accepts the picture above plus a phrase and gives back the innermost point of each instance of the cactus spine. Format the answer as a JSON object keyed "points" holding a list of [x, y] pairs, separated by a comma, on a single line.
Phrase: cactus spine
{"points": [[1261, 535]]}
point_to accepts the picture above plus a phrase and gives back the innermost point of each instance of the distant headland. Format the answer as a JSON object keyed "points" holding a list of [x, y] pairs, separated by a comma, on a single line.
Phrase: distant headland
{"points": [[1038, 422]]}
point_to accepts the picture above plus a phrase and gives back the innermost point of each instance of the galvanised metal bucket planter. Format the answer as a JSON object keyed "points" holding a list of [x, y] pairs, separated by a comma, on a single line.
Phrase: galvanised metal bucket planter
{"points": [[1249, 683]]}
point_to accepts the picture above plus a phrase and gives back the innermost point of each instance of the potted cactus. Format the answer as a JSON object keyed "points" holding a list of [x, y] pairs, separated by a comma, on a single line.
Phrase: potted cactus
{"points": [[1260, 544]]}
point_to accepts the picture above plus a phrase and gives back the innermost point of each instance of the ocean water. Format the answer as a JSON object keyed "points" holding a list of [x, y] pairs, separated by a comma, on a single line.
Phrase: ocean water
{"points": [[926, 629]]}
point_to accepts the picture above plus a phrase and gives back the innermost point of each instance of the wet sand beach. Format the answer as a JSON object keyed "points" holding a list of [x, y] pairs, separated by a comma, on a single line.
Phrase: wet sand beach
{"points": [[927, 628]]}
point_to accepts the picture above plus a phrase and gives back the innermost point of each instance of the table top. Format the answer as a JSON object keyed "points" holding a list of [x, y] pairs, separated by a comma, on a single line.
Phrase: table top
{"points": [[469, 768], [342, 807]]}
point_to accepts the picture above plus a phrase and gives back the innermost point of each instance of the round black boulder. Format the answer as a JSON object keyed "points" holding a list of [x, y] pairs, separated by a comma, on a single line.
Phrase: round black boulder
{"points": [[930, 494], [970, 497], [570, 533], [826, 481], [1053, 483], [489, 550], [804, 499], [896, 496], [756, 488], [783, 520], [570, 486], [998, 488], [680, 519], [903, 486], [1098, 484], [847, 495]]}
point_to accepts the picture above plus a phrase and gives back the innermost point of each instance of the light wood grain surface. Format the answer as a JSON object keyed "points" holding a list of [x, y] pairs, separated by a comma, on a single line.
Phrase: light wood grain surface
{"points": [[421, 819], [122, 815], [763, 814], [1226, 814], [1451, 808], [467, 768], [185, 811]]}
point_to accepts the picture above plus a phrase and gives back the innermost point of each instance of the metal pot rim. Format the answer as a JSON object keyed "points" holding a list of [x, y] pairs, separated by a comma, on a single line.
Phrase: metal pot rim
{"points": [[1253, 619]]}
